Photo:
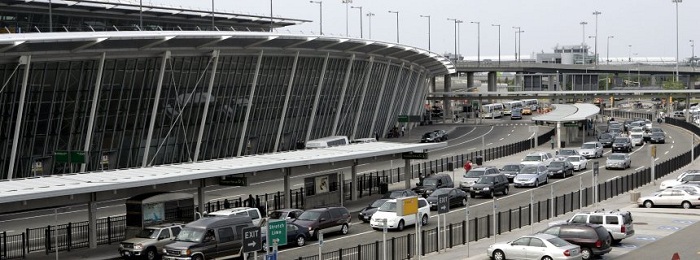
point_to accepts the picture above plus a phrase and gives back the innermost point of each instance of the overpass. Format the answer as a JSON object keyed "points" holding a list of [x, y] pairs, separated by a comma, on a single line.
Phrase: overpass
{"points": [[531, 67]]}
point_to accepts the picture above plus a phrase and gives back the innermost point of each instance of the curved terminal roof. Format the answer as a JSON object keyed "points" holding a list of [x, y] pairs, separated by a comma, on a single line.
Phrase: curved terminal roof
{"points": [[84, 45], [569, 112]]}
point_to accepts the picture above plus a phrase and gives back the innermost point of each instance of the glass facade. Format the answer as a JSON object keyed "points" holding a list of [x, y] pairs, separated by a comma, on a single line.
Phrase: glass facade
{"points": [[258, 103]]}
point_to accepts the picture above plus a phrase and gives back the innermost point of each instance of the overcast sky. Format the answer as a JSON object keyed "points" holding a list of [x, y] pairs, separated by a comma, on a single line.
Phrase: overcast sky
{"points": [[647, 25]]}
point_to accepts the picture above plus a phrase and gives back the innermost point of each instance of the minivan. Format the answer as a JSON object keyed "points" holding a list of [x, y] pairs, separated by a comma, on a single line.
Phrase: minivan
{"points": [[594, 240], [433, 183], [206, 238]]}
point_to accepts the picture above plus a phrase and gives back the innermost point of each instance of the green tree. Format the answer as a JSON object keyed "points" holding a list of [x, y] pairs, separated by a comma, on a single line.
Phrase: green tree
{"points": [[673, 85]]}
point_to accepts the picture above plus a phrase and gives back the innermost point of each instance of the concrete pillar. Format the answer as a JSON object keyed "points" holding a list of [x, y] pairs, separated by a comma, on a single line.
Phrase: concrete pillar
{"points": [[353, 177], [518, 81], [433, 82], [447, 104], [92, 220], [200, 196], [558, 135], [287, 187], [564, 81], [492, 84], [470, 80], [653, 79], [552, 81], [407, 173]]}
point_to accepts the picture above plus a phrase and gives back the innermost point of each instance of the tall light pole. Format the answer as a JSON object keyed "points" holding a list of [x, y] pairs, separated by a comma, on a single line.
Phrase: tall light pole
{"points": [[629, 55], [583, 42], [607, 50], [270, 15], [212, 15], [347, 8], [677, 61], [140, 13], [692, 55], [595, 48], [397, 24], [369, 16], [478, 42], [456, 21], [427, 16], [320, 15], [499, 43], [515, 40], [359, 7], [459, 38]]}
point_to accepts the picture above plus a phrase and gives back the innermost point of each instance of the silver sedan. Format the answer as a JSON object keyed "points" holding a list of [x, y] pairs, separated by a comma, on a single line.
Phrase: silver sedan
{"points": [[537, 246], [670, 197], [618, 161], [531, 176]]}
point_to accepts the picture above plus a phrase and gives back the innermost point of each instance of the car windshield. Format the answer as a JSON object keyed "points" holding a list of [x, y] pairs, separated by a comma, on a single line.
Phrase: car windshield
{"points": [[309, 215], [616, 157], [528, 170], [440, 192], [558, 242], [388, 207], [605, 136], [148, 233], [511, 167], [636, 136], [532, 158], [377, 203], [190, 235], [396, 194], [620, 140], [567, 152], [277, 214], [557, 164], [430, 182], [474, 174], [574, 159], [656, 134], [427, 135], [588, 146], [485, 180]]}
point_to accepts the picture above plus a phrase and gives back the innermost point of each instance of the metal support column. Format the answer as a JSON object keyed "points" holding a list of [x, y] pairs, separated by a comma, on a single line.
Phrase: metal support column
{"points": [[558, 135], [154, 110], [286, 102], [287, 172], [419, 94], [26, 61], [353, 176], [470, 81], [379, 99], [205, 113], [343, 91], [317, 98], [92, 220], [407, 173], [433, 83], [365, 83], [251, 96], [446, 102], [407, 89], [93, 111], [200, 196], [393, 99]]}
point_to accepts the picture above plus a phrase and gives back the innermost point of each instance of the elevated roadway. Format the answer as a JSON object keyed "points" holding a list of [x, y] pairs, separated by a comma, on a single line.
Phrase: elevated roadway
{"points": [[531, 67]]}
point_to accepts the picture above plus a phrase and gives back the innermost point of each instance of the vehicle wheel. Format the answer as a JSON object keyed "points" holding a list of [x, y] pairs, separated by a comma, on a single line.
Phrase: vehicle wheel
{"points": [[498, 255], [151, 254], [648, 204], [546, 180], [301, 241], [537, 183], [686, 205], [586, 253], [464, 202], [400, 226], [546, 257], [197, 257], [316, 234], [505, 192], [492, 194], [344, 229], [472, 195], [424, 220]]}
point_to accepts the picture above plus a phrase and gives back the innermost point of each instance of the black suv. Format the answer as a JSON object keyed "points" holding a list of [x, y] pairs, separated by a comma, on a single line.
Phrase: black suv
{"points": [[429, 137], [623, 144], [328, 219], [441, 134], [594, 240], [488, 185], [606, 139], [433, 183]]}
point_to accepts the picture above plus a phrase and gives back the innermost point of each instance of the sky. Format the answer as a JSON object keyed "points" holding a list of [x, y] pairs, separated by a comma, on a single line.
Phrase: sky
{"points": [[648, 25]]}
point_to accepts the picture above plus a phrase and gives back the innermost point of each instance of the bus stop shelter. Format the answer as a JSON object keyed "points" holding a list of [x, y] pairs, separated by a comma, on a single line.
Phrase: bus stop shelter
{"points": [[569, 115]]}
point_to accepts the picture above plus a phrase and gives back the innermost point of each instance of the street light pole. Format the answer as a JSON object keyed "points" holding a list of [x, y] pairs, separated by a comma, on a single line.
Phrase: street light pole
{"points": [[455, 20], [427, 16], [320, 15], [499, 43], [607, 50], [583, 42], [347, 8], [397, 24], [515, 39], [692, 56], [677, 61], [359, 7], [212, 15], [140, 14], [369, 16], [595, 48], [629, 55], [478, 43]]}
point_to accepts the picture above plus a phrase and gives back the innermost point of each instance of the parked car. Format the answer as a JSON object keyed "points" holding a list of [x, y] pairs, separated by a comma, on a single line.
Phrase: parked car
{"points": [[393, 221], [366, 214], [594, 240], [297, 235], [399, 194], [606, 139], [537, 158], [536, 246], [579, 162], [618, 223], [456, 196], [253, 213], [510, 171], [288, 214], [618, 161], [591, 150], [469, 178], [657, 138], [622, 144], [433, 183], [670, 197], [149, 242], [330, 219], [689, 176], [199, 239], [489, 185], [516, 113], [560, 168], [532, 176]]}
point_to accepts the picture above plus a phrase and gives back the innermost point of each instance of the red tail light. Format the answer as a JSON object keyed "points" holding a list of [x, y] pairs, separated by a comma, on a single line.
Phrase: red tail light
{"points": [[598, 243], [623, 229], [567, 253]]}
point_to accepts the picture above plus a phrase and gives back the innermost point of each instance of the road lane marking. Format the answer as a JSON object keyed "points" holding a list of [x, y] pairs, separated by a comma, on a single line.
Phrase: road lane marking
{"points": [[666, 153], [489, 144], [500, 139]]}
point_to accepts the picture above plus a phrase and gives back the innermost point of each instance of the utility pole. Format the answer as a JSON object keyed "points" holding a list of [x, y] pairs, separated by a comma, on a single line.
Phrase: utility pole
{"points": [[369, 16], [397, 24], [478, 43], [320, 14], [347, 8], [583, 42], [515, 40], [595, 48], [499, 43], [359, 7], [427, 16]]}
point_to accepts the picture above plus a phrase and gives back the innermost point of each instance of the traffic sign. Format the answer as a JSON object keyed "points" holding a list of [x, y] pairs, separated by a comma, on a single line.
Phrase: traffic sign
{"points": [[277, 230], [407, 206], [271, 256], [596, 170], [412, 155], [232, 180], [443, 204], [252, 241]]}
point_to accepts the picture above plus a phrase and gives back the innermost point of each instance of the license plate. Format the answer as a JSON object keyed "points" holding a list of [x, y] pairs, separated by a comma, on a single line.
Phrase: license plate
{"points": [[476, 191]]}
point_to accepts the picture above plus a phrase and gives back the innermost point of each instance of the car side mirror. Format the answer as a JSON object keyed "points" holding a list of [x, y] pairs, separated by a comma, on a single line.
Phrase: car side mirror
{"points": [[322, 219]]}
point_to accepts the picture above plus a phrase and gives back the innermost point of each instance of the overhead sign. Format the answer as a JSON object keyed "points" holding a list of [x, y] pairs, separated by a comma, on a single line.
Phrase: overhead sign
{"points": [[252, 240], [443, 204], [414, 155], [409, 118], [407, 206], [69, 156], [277, 231], [232, 180], [596, 170], [570, 124]]}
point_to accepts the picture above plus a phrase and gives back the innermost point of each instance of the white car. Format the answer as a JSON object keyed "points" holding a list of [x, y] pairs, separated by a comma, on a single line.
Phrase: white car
{"points": [[680, 180], [579, 162], [537, 159], [592, 150], [254, 214], [388, 211], [637, 139], [537, 246], [637, 130]]}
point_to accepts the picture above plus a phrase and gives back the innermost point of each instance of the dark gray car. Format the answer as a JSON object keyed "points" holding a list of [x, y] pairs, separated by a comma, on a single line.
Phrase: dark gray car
{"points": [[489, 185], [560, 168], [365, 214], [510, 171]]}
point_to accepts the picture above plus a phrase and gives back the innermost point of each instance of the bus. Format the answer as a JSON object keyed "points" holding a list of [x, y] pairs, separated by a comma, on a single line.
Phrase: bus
{"points": [[509, 106], [327, 142], [492, 110], [532, 103]]}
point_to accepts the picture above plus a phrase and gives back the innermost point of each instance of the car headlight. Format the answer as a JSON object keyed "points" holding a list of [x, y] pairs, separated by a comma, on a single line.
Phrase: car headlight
{"points": [[138, 247], [428, 191], [486, 188], [165, 251], [560, 171], [185, 252]]}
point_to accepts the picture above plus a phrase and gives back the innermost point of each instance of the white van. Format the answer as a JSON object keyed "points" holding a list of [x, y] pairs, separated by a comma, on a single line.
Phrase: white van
{"points": [[327, 142], [253, 213]]}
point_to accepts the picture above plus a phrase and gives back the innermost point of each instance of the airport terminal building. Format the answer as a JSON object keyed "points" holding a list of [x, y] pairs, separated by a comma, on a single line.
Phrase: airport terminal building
{"points": [[108, 89]]}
